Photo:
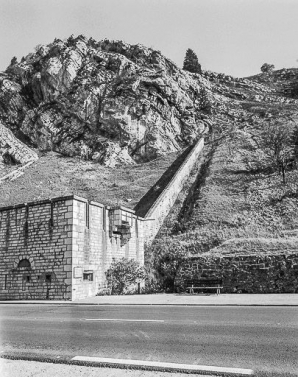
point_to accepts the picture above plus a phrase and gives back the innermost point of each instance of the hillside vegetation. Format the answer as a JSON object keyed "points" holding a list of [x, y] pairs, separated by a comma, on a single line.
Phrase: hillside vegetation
{"points": [[108, 118]]}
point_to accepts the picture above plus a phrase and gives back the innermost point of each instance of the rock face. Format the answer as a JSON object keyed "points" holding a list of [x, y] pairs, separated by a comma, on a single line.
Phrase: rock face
{"points": [[13, 150], [107, 101], [116, 103]]}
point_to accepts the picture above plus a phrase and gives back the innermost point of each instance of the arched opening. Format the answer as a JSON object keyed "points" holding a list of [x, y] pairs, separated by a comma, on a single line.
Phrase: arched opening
{"points": [[24, 263]]}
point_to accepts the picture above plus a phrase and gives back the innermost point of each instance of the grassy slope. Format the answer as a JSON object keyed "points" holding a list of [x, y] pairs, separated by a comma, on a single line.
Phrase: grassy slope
{"points": [[235, 210], [54, 175]]}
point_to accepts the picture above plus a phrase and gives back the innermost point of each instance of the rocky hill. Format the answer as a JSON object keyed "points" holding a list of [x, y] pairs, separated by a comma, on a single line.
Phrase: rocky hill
{"points": [[103, 116], [109, 101]]}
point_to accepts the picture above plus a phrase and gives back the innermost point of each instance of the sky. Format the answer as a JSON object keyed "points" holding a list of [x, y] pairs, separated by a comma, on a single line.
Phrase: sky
{"points": [[230, 36]]}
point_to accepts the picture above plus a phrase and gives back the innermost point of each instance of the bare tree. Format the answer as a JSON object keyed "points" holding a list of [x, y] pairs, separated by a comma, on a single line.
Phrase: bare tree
{"points": [[277, 141]]}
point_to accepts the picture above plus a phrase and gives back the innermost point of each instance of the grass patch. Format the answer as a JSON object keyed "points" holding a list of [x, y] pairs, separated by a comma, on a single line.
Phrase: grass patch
{"points": [[54, 175]]}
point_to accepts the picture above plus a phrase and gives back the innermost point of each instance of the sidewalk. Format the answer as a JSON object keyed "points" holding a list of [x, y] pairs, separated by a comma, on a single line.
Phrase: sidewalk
{"points": [[21, 368], [286, 299]]}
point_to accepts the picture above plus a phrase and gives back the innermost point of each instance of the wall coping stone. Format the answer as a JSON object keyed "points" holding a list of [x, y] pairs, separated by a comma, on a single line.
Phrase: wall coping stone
{"points": [[124, 209], [69, 197], [38, 202]]}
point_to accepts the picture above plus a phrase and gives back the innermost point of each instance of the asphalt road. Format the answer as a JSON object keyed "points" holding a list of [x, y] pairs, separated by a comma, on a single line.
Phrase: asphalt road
{"points": [[258, 338]]}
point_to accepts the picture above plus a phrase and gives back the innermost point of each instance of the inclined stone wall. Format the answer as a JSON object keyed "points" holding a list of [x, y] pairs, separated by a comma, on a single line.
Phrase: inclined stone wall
{"points": [[41, 233], [14, 147], [98, 237], [160, 209], [245, 274]]}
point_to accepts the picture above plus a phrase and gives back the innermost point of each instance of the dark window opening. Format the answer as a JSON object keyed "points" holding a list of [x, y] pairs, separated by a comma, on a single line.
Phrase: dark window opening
{"points": [[87, 215], [24, 263], [48, 278], [28, 279], [6, 282], [88, 276]]}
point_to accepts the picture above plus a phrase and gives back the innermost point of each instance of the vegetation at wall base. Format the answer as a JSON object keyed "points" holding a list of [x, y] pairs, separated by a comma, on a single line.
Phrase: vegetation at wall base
{"points": [[124, 275]]}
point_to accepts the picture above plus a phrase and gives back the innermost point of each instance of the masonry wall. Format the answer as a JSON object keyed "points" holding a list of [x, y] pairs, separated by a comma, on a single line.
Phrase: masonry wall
{"points": [[159, 210], [97, 239], [41, 234], [245, 274]]}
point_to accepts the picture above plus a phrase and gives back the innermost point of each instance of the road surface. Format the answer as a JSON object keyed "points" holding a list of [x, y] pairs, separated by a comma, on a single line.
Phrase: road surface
{"points": [[258, 338]]}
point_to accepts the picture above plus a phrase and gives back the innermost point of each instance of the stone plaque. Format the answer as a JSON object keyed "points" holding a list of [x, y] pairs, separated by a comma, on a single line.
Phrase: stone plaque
{"points": [[78, 272]]}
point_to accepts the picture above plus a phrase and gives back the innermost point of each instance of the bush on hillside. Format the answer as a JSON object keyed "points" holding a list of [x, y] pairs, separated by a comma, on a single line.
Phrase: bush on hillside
{"points": [[267, 68]]}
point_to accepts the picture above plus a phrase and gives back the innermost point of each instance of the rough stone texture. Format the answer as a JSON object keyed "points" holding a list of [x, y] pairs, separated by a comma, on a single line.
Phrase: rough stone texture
{"points": [[41, 233], [64, 238], [110, 101], [245, 273], [11, 147]]}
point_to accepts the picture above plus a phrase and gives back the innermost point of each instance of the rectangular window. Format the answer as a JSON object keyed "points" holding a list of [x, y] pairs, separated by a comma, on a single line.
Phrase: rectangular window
{"points": [[88, 276], [48, 278], [6, 282]]}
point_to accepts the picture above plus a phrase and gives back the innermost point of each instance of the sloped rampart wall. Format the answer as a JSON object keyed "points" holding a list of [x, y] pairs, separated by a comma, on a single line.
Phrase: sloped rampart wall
{"points": [[162, 205], [14, 147]]}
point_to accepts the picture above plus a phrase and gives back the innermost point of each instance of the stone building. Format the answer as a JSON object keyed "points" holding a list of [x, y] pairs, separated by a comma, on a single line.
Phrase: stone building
{"points": [[61, 248]]}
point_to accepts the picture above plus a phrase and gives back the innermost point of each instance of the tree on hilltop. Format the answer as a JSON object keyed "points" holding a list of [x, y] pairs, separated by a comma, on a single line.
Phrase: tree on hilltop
{"points": [[267, 68], [191, 63]]}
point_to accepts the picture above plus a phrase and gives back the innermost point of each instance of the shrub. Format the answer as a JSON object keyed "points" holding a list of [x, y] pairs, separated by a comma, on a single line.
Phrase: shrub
{"points": [[123, 276], [165, 257], [267, 68]]}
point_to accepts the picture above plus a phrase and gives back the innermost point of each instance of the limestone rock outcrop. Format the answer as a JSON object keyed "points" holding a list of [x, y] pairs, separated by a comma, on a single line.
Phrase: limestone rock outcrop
{"points": [[117, 103], [109, 101], [13, 150]]}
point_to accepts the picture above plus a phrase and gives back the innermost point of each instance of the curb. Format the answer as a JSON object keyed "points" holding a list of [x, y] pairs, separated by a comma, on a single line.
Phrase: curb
{"points": [[69, 303], [138, 365]]}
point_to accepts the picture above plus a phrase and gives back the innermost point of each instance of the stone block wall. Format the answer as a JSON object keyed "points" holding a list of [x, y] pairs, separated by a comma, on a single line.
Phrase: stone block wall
{"points": [[161, 207], [245, 274], [35, 250], [100, 234], [61, 248]]}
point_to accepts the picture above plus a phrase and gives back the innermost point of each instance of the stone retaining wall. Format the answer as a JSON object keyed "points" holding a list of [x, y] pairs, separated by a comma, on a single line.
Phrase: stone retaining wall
{"points": [[15, 148], [100, 234], [161, 207], [245, 274], [61, 248], [39, 234]]}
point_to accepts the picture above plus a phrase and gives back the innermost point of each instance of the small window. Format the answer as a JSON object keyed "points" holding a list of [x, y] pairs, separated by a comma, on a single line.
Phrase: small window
{"points": [[88, 276], [24, 263], [28, 278], [48, 278]]}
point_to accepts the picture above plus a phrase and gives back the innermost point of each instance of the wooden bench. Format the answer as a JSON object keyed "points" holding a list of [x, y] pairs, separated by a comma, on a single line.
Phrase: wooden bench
{"points": [[203, 284]]}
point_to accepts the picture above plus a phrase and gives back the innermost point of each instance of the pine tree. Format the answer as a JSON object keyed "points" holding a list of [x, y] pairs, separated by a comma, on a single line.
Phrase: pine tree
{"points": [[191, 63]]}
